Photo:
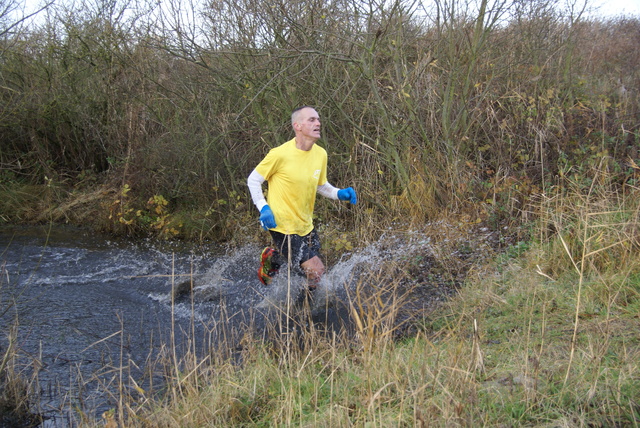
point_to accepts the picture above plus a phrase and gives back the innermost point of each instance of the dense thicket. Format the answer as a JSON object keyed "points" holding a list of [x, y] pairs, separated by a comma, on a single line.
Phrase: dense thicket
{"points": [[423, 109]]}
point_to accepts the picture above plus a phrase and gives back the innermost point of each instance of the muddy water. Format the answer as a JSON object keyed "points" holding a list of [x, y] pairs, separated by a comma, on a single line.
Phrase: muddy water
{"points": [[91, 313], [82, 305], [91, 310]]}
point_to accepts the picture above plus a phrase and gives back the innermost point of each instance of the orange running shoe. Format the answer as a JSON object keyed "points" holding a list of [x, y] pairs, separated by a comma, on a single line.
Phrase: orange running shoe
{"points": [[268, 266]]}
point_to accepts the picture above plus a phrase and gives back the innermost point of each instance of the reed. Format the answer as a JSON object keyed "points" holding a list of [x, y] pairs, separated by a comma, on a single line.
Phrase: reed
{"points": [[524, 126], [546, 328], [18, 373], [423, 110], [550, 336]]}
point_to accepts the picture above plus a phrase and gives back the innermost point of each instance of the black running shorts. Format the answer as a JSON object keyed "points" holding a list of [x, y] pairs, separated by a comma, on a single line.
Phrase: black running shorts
{"points": [[303, 248]]}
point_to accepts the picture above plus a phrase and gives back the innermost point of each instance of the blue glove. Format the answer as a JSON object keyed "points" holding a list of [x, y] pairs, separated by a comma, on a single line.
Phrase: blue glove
{"points": [[267, 220], [348, 194]]}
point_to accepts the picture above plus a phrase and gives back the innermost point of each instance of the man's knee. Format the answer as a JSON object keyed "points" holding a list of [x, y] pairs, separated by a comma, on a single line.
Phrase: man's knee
{"points": [[314, 267]]}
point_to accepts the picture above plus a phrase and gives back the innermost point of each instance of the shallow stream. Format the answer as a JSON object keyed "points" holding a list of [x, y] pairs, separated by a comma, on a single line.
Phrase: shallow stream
{"points": [[91, 314], [92, 310]]}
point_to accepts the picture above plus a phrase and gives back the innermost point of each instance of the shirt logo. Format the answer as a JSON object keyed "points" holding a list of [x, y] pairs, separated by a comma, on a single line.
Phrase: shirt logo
{"points": [[316, 174]]}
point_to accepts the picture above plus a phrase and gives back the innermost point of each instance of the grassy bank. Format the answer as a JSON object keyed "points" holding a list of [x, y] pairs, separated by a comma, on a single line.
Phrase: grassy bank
{"points": [[541, 331], [544, 334]]}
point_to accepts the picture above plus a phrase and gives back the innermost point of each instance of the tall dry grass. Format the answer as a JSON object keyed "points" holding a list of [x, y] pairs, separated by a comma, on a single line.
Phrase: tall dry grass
{"points": [[423, 110], [521, 116], [546, 335], [559, 339], [19, 404], [543, 332]]}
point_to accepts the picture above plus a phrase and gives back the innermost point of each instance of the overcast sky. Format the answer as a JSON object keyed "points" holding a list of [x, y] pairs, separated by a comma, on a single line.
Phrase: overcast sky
{"points": [[617, 7], [606, 8]]}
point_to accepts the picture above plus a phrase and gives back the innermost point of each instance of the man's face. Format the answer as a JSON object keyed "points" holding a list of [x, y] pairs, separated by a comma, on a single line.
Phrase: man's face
{"points": [[307, 123]]}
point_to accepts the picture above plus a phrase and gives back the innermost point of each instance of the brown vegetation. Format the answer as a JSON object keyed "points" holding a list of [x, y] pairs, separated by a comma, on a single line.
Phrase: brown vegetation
{"points": [[451, 108], [137, 121]]}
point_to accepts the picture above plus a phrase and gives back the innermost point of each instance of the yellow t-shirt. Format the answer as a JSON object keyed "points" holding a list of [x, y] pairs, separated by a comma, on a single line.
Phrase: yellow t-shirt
{"points": [[293, 176]]}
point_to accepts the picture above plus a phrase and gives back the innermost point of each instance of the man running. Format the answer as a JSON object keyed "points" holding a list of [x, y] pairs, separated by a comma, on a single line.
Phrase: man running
{"points": [[294, 171]]}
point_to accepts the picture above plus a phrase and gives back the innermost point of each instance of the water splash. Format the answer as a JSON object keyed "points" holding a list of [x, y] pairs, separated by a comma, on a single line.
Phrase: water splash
{"points": [[232, 281]]}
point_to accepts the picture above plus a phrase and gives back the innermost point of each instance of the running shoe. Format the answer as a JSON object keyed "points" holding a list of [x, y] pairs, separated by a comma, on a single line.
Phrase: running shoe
{"points": [[268, 266]]}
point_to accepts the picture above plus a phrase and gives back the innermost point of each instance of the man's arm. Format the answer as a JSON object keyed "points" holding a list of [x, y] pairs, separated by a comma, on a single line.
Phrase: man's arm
{"points": [[267, 220], [328, 191], [254, 182], [331, 192]]}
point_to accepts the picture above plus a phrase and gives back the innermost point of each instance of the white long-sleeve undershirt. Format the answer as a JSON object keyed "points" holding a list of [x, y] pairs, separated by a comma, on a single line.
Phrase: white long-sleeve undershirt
{"points": [[255, 181]]}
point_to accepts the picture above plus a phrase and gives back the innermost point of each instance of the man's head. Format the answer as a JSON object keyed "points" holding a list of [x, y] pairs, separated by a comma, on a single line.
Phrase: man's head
{"points": [[306, 123]]}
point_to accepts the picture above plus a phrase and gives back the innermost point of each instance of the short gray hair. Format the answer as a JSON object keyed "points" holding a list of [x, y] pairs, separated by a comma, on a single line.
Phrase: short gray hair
{"points": [[294, 113]]}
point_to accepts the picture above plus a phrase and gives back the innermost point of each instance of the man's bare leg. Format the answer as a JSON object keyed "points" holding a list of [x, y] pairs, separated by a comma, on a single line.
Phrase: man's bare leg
{"points": [[314, 269]]}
